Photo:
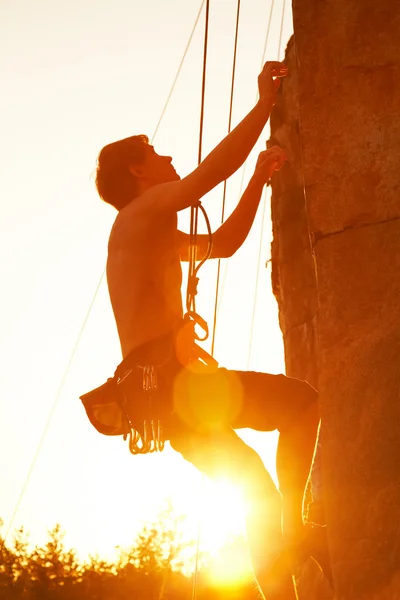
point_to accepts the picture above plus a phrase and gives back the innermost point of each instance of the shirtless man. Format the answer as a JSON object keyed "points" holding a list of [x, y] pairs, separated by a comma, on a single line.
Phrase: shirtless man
{"points": [[144, 279]]}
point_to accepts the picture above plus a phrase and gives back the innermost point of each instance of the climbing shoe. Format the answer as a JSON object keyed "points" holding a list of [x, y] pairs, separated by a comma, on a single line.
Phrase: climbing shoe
{"points": [[313, 545]]}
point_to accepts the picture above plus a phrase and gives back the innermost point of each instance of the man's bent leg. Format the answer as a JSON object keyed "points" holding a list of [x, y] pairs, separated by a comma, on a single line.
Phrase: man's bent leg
{"points": [[295, 453], [224, 454], [290, 406]]}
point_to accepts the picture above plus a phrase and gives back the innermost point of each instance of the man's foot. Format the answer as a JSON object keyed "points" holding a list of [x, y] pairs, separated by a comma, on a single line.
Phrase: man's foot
{"points": [[313, 545], [316, 513], [317, 542]]}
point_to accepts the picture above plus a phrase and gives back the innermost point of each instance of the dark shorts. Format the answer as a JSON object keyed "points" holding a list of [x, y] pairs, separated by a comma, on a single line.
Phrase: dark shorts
{"points": [[200, 401], [241, 399]]}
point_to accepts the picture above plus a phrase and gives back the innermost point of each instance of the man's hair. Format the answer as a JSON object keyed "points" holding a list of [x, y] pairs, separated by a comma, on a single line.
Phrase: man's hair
{"points": [[114, 182]]}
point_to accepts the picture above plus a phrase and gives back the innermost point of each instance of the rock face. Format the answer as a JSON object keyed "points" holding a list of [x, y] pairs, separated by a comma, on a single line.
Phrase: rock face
{"points": [[348, 66], [293, 269], [294, 281], [293, 266]]}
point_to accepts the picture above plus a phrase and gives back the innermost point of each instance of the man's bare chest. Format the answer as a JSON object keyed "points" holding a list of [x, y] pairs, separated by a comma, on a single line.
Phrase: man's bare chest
{"points": [[146, 255]]}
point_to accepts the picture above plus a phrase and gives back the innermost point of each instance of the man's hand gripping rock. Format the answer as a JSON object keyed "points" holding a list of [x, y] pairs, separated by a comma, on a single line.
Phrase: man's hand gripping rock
{"points": [[269, 161], [269, 81]]}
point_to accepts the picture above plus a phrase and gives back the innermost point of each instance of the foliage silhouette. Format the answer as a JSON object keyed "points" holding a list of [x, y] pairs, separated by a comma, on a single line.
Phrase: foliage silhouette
{"points": [[153, 568]]}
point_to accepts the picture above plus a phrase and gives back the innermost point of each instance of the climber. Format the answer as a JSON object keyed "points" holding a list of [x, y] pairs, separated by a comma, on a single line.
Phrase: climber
{"points": [[201, 410]]}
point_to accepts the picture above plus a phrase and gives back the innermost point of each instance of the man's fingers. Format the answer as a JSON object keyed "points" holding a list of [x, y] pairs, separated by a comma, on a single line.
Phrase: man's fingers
{"points": [[274, 64], [275, 68], [274, 156], [271, 152]]}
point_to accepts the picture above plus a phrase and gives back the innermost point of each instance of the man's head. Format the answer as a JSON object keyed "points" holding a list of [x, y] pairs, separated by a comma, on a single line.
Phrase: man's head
{"points": [[129, 167]]}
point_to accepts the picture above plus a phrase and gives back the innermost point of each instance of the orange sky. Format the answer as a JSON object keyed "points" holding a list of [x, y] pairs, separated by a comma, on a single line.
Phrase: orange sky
{"points": [[78, 75]]}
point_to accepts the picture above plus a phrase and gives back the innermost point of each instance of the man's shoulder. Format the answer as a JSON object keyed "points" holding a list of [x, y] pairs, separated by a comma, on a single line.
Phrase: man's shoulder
{"points": [[140, 217], [127, 226], [151, 202], [164, 198]]}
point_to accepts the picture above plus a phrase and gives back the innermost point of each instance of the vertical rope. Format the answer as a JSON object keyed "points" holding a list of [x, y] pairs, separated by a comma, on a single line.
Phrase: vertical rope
{"points": [[219, 300], [253, 315], [194, 211], [281, 30], [198, 540], [171, 91], [52, 410], [271, 10], [203, 84], [224, 192]]}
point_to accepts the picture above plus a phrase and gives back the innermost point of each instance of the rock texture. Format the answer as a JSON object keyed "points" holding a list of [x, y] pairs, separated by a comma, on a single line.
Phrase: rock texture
{"points": [[295, 284], [293, 266], [348, 65], [293, 269]]}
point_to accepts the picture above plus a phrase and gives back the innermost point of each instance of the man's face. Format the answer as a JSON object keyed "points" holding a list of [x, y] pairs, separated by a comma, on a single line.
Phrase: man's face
{"points": [[158, 169]]}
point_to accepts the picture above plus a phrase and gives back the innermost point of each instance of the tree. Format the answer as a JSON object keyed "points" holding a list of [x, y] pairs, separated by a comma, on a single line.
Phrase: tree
{"points": [[151, 569]]}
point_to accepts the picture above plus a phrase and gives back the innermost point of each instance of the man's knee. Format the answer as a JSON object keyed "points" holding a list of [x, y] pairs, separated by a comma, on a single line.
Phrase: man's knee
{"points": [[301, 398]]}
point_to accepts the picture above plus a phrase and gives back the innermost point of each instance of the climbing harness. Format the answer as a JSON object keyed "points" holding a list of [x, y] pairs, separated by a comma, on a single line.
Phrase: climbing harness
{"points": [[136, 401]]}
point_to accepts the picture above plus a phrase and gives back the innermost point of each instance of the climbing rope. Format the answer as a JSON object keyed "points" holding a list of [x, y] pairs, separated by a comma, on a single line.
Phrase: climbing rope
{"points": [[192, 269], [194, 210], [218, 300], [255, 293], [224, 192], [178, 72], [264, 52], [52, 411]]}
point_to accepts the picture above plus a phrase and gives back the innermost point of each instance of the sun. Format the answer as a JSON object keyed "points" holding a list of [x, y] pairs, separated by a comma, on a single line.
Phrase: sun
{"points": [[223, 535], [214, 509], [231, 566], [214, 519], [222, 514]]}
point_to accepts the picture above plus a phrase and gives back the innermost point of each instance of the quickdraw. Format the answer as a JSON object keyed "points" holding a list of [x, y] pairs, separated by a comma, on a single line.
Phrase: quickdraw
{"points": [[151, 439]]}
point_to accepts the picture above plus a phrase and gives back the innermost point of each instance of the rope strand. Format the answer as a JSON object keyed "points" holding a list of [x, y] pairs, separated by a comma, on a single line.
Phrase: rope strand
{"points": [[262, 222], [224, 192], [219, 303], [192, 271], [253, 315], [178, 72], [52, 411], [194, 210]]}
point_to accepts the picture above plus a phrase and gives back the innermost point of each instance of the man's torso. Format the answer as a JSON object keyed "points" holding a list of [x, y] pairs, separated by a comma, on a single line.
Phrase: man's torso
{"points": [[144, 275]]}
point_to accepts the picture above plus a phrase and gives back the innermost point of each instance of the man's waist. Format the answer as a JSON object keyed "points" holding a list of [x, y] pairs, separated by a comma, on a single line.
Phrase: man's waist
{"points": [[155, 351]]}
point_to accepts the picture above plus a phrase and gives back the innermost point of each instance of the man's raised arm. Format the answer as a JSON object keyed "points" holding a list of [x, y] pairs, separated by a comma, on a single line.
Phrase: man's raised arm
{"points": [[231, 153], [230, 235]]}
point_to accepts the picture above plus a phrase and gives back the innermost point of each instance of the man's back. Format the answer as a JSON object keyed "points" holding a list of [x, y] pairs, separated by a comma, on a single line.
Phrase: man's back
{"points": [[144, 274]]}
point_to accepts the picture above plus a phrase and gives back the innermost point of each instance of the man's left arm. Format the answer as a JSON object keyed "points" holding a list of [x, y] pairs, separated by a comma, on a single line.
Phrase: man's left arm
{"points": [[228, 238]]}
